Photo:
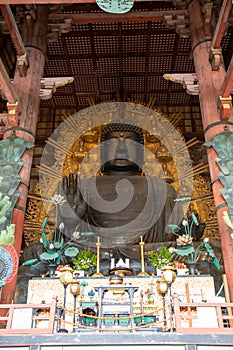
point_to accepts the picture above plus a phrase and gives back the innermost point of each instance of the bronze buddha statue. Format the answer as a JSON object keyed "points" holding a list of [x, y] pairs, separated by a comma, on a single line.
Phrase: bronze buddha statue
{"points": [[121, 205]]}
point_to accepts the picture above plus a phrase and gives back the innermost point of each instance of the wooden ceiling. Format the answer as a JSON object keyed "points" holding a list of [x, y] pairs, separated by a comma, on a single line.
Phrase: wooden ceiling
{"points": [[113, 57], [123, 60]]}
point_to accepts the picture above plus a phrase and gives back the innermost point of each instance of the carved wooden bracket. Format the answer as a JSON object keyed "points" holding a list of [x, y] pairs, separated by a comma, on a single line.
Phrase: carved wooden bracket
{"points": [[22, 64], [215, 58], [49, 86], [13, 113], [207, 11], [188, 80], [56, 28], [225, 107], [179, 22]]}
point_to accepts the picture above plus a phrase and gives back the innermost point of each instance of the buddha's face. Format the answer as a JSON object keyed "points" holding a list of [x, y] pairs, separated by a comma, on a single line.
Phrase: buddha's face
{"points": [[121, 151]]}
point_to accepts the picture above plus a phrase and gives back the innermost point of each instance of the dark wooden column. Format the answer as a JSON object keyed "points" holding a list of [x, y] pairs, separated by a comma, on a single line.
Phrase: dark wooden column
{"points": [[27, 88], [210, 83]]}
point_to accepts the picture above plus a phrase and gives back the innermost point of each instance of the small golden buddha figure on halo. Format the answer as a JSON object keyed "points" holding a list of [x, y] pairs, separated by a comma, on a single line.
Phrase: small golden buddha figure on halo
{"points": [[165, 174]]}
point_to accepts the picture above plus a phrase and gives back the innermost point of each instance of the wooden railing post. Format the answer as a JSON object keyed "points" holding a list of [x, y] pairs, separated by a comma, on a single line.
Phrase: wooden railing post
{"points": [[49, 318]]}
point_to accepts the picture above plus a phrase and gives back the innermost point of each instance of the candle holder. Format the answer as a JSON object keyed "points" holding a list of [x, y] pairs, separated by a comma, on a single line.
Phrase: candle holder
{"points": [[98, 273], [142, 273]]}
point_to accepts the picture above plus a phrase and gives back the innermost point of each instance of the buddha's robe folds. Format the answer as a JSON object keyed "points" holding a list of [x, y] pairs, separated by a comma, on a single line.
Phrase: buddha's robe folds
{"points": [[122, 208]]}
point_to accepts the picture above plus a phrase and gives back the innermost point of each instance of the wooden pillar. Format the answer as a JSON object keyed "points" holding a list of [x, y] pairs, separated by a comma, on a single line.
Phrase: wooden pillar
{"points": [[27, 88], [210, 83]]}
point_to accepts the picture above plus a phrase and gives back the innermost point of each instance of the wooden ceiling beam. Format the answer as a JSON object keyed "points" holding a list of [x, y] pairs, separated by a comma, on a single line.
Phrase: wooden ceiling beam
{"points": [[225, 99], [6, 85], [14, 32], [104, 17], [221, 25], [16, 38], [227, 87], [216, 51], [127, 17], [53, 2], [8, 92]]}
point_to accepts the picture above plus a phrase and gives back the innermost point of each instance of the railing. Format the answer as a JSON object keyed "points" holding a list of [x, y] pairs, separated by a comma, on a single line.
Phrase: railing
{"points": [[192, 317], [115, 322], [28, 318], [188, 318]]}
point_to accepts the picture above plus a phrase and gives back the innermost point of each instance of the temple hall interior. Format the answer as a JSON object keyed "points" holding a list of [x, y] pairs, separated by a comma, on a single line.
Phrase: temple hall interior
{"points": [[116, 174]]}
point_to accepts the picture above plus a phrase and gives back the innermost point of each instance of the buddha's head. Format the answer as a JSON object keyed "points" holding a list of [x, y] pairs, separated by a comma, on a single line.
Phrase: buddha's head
{"points": [[121, 148]]}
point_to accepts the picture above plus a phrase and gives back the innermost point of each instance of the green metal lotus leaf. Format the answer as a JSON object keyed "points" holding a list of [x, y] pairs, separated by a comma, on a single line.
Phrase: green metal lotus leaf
{"points": [[57, 245], [209, 249], [211, 253], [71, 251], [44, 222], [30, 262], [216, 262], [174, 227], [49, 255], [186, 250]]}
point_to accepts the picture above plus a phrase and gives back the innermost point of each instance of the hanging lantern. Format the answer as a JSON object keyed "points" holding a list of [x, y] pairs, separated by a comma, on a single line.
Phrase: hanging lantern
{"points": [[115, 6], [169, 274], [162, 286], [75, 287], [66, 276]]}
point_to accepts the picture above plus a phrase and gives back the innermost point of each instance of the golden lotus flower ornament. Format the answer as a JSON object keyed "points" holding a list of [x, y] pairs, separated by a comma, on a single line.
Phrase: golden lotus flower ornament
{"points": [[184, 240]]}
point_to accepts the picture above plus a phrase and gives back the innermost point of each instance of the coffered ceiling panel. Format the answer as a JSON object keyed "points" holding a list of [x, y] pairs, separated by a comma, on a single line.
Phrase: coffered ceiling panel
{"points": [[109, 84], [119, 56], [109, 65], [160, 64]]}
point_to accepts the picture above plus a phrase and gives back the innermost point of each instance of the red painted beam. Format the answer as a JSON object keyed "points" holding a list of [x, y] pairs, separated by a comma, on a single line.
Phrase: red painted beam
{"points": [[222, 20], [225, 100], [14, 32], [227, 86], [52, 2], [127, 17], [6, 85]]}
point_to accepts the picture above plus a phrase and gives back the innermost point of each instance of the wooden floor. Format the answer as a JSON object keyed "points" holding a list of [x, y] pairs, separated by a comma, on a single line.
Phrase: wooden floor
{"points": [[112, 341]]}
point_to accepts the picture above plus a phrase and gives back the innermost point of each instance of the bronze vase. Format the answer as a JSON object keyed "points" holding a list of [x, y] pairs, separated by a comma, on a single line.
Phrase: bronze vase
{"points": [[192, 266], [51, 268]]}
